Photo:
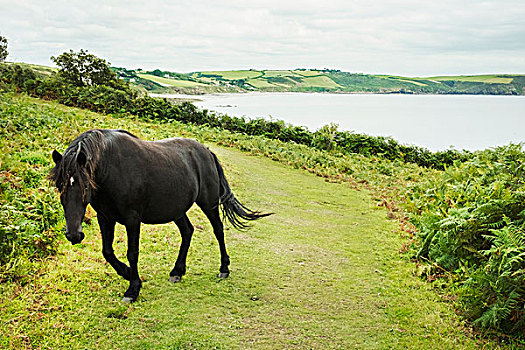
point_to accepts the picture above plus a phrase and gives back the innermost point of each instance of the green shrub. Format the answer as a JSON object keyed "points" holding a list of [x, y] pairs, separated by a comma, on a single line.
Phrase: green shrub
{"points": [[471, 220], [494, 292]]}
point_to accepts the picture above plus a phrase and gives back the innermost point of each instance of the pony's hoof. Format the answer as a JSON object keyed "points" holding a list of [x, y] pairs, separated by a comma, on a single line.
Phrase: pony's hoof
{"points": [[223, 275], [175, 279], [128, 300]]}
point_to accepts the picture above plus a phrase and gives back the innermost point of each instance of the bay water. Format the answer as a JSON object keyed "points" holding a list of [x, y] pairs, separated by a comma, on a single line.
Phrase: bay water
{"points": [[436, 122]]}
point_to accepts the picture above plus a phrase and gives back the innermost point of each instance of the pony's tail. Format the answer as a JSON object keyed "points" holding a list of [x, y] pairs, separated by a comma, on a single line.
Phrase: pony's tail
{"points": [[233, 210]]}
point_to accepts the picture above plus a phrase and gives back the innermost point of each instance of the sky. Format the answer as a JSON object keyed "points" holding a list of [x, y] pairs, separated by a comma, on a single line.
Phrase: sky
{"points": [[403, 37]]}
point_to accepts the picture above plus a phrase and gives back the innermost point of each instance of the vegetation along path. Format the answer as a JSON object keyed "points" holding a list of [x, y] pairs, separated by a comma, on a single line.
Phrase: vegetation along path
{"points": [[323, 272]]}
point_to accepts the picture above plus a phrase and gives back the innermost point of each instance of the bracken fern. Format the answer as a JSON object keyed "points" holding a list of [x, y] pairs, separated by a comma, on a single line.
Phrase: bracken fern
{"points": [[471, 220]]}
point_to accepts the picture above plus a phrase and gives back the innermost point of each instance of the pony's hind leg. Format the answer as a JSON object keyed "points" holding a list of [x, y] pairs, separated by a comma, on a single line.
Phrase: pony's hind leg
{"points": [[186, 231], [218, 230]]}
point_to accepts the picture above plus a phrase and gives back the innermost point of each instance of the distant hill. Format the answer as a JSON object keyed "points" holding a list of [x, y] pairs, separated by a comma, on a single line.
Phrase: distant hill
{"points": [[306, 80]]}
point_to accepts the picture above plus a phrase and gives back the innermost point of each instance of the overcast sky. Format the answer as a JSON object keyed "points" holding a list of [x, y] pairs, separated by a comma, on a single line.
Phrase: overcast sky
{"points": [[405, 37]]}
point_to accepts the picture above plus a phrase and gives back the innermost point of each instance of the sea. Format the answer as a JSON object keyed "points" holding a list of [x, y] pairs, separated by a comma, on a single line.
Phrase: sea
{"points": [[436, 122]]}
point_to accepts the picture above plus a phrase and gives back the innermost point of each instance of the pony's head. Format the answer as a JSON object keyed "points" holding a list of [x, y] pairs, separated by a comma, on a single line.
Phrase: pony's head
{"points": [[73, 176]]}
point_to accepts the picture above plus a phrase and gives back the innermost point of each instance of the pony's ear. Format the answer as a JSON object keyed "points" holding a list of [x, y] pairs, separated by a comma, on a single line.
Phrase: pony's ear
{"points": [[81, 159], [57, 157]]}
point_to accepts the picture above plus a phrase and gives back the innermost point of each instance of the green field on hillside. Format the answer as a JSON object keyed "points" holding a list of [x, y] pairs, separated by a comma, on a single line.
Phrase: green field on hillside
{"points": [[44, 70], [261, 83], [403, 79], [320, 81], [493, 79], [307, 73], [234, 75], [171, 82], [279, 73]]}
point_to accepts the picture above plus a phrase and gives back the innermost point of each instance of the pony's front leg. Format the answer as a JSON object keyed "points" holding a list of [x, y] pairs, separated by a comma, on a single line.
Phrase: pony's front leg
{"points": [[107, 229], [133, 231]]}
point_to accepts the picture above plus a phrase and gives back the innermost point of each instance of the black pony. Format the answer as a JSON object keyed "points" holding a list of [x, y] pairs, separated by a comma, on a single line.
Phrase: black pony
{"points": [[130, 181]]}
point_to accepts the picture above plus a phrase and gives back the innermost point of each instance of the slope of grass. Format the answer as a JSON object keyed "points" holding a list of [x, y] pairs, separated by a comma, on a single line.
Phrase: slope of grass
{"points": [[171, 82], [494, 79], [45, 70], [320, 81], [308, 73], [323, 272], [405, 80], [278, 73], [260, 83], [236, 74]]}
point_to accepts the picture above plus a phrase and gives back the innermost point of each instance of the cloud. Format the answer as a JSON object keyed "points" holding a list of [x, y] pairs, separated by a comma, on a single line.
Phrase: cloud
{"points": [[400, 37]]}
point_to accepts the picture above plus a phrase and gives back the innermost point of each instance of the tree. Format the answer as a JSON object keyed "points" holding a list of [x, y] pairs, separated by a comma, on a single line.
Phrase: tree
{"points": [[3, 48], [84, 69], [157, 73]]}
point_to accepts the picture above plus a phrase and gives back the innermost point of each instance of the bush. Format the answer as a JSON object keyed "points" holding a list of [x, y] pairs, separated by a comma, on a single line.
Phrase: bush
{"points": [[471, 220]]}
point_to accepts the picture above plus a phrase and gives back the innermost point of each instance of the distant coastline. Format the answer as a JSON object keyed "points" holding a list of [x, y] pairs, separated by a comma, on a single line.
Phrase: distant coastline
{"points": [[332, 81], [308, 80]]}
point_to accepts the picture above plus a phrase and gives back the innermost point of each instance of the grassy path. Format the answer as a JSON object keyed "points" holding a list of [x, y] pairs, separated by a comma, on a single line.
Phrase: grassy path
{"points": [[323, 272]]}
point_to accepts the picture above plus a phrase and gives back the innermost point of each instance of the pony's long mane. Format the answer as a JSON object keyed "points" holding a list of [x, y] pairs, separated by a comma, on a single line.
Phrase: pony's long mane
{"points": [[90, 145]]}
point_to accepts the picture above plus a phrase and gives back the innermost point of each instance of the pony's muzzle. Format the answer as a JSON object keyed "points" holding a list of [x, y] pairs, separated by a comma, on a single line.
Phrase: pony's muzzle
{"points": [[75, 238]]}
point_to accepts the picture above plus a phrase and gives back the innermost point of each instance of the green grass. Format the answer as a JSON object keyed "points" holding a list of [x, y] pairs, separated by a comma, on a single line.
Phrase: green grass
{"points": [[171, 82], [260, 83], [403, 79], [45, 70], [307, 73], [320, 81], [493, 79], [280, 73], [236, 74], [309, 79], [323, 272]]}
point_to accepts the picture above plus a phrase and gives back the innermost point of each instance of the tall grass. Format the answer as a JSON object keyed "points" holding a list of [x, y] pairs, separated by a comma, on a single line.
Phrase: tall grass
{"points": [[29, 213]]}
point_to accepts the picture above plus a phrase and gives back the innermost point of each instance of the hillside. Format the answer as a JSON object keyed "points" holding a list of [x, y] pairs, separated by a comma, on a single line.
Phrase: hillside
{"points": [[303, 80], [464, 225], [306, 80], [322, 273]]}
